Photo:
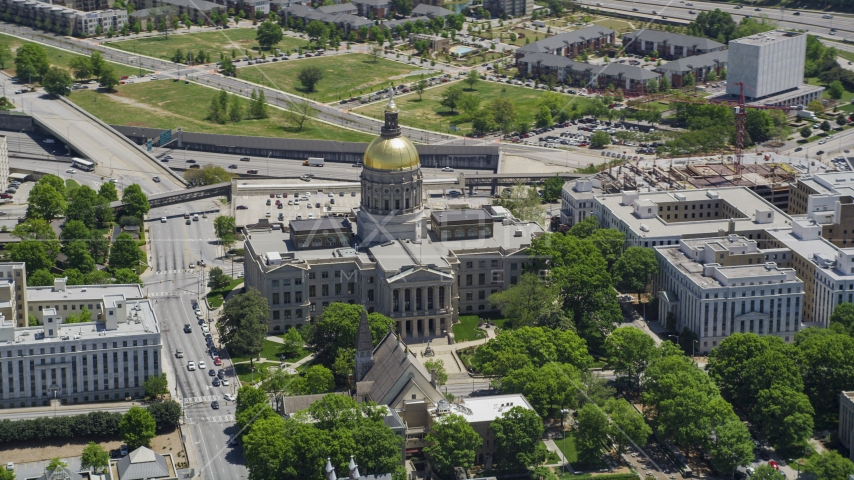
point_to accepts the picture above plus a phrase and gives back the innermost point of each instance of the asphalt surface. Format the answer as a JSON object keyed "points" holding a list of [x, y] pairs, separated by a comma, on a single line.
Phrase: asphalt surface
{"points": [[785, 18], [173, 286]]}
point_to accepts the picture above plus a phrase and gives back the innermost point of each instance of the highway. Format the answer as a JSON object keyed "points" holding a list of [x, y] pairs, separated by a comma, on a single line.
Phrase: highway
{"points": [[173, 287], [807, 20]]}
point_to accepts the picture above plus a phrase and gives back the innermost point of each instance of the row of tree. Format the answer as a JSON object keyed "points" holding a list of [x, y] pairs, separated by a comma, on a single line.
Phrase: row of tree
{"points": [[227, 107]]}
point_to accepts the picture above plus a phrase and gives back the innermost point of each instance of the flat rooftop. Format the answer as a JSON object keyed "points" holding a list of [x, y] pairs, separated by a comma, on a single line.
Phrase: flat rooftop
{"points": [[487, 409], [138, 322], [83, 292], [742, 199], [768, 37], [810, 247]]}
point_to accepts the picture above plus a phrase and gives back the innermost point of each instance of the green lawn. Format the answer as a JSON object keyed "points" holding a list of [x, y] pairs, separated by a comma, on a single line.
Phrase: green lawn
{"points": [[846, 95], [244, 372], [467, 329], [242, 40], [618, 25], [567, 446], [271, 351], [344, 76], [57, 57], [216, 297], [428, 112], [165, 104], [71, 183]]}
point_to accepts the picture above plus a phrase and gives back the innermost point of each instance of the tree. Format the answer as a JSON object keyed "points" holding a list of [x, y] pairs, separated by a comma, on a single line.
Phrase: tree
{"points": [[208, 174], [420, 86], [733, 446], [268, 34], [5, 55], [243, 324], [94, 457], [137, 428], [503, 113], [664, 84], [531, 302], [108, 78], [81, 67], [316, 29], [635, 269], [155, 386], [125, 253], [629, 352], [627, 424], [688, 80], [218, 280], [249, 396], [829, 465], [31, 62], [785, 416], [292, 343], [543, 117], [600, 139], [469, 103], [136, 202], [57, 81], [549, 388], [841, 120], [593, 430], [299, 111], [126, 276], [452, 442], [402, 7], [767, 472], [843, 314], [37, 229], [816, 106], [472, 78], [825, 126], [258, 106], [450, 97], [439, 367], [337, 327], [34, 254], [835, 90], [317, 379], [224, 228], [108, 192], [482, 121], [235, 109], [517, 438], [45, 202], [825, 365], [79, 257], [55, 463], [806, 132], [309, 77]]}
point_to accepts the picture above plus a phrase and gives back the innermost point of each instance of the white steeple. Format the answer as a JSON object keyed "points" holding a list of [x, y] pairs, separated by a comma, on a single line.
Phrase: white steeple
{"points": [[354, 469], [330, 470]]}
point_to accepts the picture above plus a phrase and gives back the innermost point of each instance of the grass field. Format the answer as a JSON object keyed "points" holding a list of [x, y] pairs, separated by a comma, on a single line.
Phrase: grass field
{"points": [[618, 25], [467, 329], [240, 39], [567, 446], [57, 57], [216, 297], [344, 76], [164, 104], [271, 351], [428, 112]]}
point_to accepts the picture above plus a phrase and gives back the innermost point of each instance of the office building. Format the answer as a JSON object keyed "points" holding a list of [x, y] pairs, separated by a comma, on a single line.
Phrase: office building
{"points": [[70, 300], [511, 8], [846, 423], [108, 358], [576, 199], [421, 272], [719, 286], [827, 199], [767, 64], [669, 46]]}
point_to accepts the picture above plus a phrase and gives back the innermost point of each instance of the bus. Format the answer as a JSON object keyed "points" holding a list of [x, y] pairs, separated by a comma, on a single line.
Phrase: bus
{"points": [[86, 165]]}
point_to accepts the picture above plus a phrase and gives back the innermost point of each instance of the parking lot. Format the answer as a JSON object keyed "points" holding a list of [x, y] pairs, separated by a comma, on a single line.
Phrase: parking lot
{"points": [[291, 203]]}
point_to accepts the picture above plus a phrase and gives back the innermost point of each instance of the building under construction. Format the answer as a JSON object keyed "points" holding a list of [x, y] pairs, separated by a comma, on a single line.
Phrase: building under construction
{"points": [[769, 180]]}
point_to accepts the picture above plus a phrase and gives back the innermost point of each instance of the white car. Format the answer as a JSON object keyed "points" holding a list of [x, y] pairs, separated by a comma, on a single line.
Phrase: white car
{"points": [[192, 265], [163, 220], [229, 397], [224, 382], [447, 169], [71, 170], [310, 216], [191, 366], [202, 364]]}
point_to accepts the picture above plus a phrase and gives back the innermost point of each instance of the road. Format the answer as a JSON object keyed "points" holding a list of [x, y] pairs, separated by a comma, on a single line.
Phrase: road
{"points": [[24, 414], [785, 18], [174, 287]]}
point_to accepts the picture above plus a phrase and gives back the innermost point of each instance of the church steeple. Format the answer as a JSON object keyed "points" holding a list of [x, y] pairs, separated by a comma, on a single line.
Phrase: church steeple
{"points": [[364, 348]]}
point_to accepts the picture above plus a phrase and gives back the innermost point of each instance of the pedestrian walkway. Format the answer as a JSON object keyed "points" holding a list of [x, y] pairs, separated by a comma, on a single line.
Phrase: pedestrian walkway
{"points": [[207, 398], [552, 446], [210, 419]]}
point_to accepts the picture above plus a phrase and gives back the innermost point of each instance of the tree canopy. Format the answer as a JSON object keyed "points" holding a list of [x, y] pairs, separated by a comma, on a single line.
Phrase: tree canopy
{"points": [[243, 323]]}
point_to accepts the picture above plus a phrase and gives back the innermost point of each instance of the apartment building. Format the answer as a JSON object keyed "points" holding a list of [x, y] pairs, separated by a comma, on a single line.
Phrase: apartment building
{"points": [[511, 8], [571, 44], [719, 286], [373, 9], [617, 75], [63, 19], [667, 45], [699, 66]]}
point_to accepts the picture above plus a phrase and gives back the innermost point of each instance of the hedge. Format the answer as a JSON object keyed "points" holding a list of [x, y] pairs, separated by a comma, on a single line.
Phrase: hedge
{"points": [[93, 424]]}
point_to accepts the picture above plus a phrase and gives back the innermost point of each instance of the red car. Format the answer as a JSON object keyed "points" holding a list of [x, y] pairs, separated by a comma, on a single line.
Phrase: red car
{"points": [[217, 361], [774, 464], [272, 195], [252, 172]]}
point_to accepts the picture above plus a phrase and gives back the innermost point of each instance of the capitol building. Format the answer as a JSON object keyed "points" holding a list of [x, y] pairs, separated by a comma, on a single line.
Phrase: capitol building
{"points": [[422, 267]]}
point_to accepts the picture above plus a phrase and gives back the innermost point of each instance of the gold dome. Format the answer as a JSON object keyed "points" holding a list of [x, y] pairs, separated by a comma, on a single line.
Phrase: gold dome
{"points": [[391, 154]]}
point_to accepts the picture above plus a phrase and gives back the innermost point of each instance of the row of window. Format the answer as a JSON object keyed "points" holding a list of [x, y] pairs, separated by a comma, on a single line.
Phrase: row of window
{"points": [[84, 347]]}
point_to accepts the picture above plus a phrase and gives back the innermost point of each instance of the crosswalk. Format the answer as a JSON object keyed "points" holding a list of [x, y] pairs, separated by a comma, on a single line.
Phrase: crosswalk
{"points": [[180, 270], [206, 398], [163, 294], [211, 419]]}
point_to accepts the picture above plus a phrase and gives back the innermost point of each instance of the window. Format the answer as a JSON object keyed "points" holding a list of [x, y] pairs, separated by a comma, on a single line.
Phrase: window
{"points": [[469, 264], [311, 275], [481, 278], [312, 291], [324, 274], [468, 280]]}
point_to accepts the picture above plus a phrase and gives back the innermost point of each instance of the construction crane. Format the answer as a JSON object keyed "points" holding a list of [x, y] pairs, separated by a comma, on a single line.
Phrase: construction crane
{"points": [[740, 109]]}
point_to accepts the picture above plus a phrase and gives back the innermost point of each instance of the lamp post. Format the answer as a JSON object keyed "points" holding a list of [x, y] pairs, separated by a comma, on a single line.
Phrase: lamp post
{"points": [[676, 337], [692, 347]]}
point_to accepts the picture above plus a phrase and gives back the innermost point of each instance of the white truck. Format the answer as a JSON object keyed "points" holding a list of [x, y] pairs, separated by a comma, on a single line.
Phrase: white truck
{"points": [[313, 162]]}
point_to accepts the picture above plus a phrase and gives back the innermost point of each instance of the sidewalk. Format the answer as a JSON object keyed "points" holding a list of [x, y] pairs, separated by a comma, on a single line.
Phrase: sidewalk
{"points": [[552, 446]]}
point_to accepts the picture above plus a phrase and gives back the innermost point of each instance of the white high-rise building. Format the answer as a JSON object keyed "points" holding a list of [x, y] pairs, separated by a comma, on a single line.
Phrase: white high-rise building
{"points": [[767, 64]]}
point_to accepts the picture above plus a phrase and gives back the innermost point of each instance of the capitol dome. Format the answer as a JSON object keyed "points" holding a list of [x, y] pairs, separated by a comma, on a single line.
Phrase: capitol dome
{"points": [[391, 151]]}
